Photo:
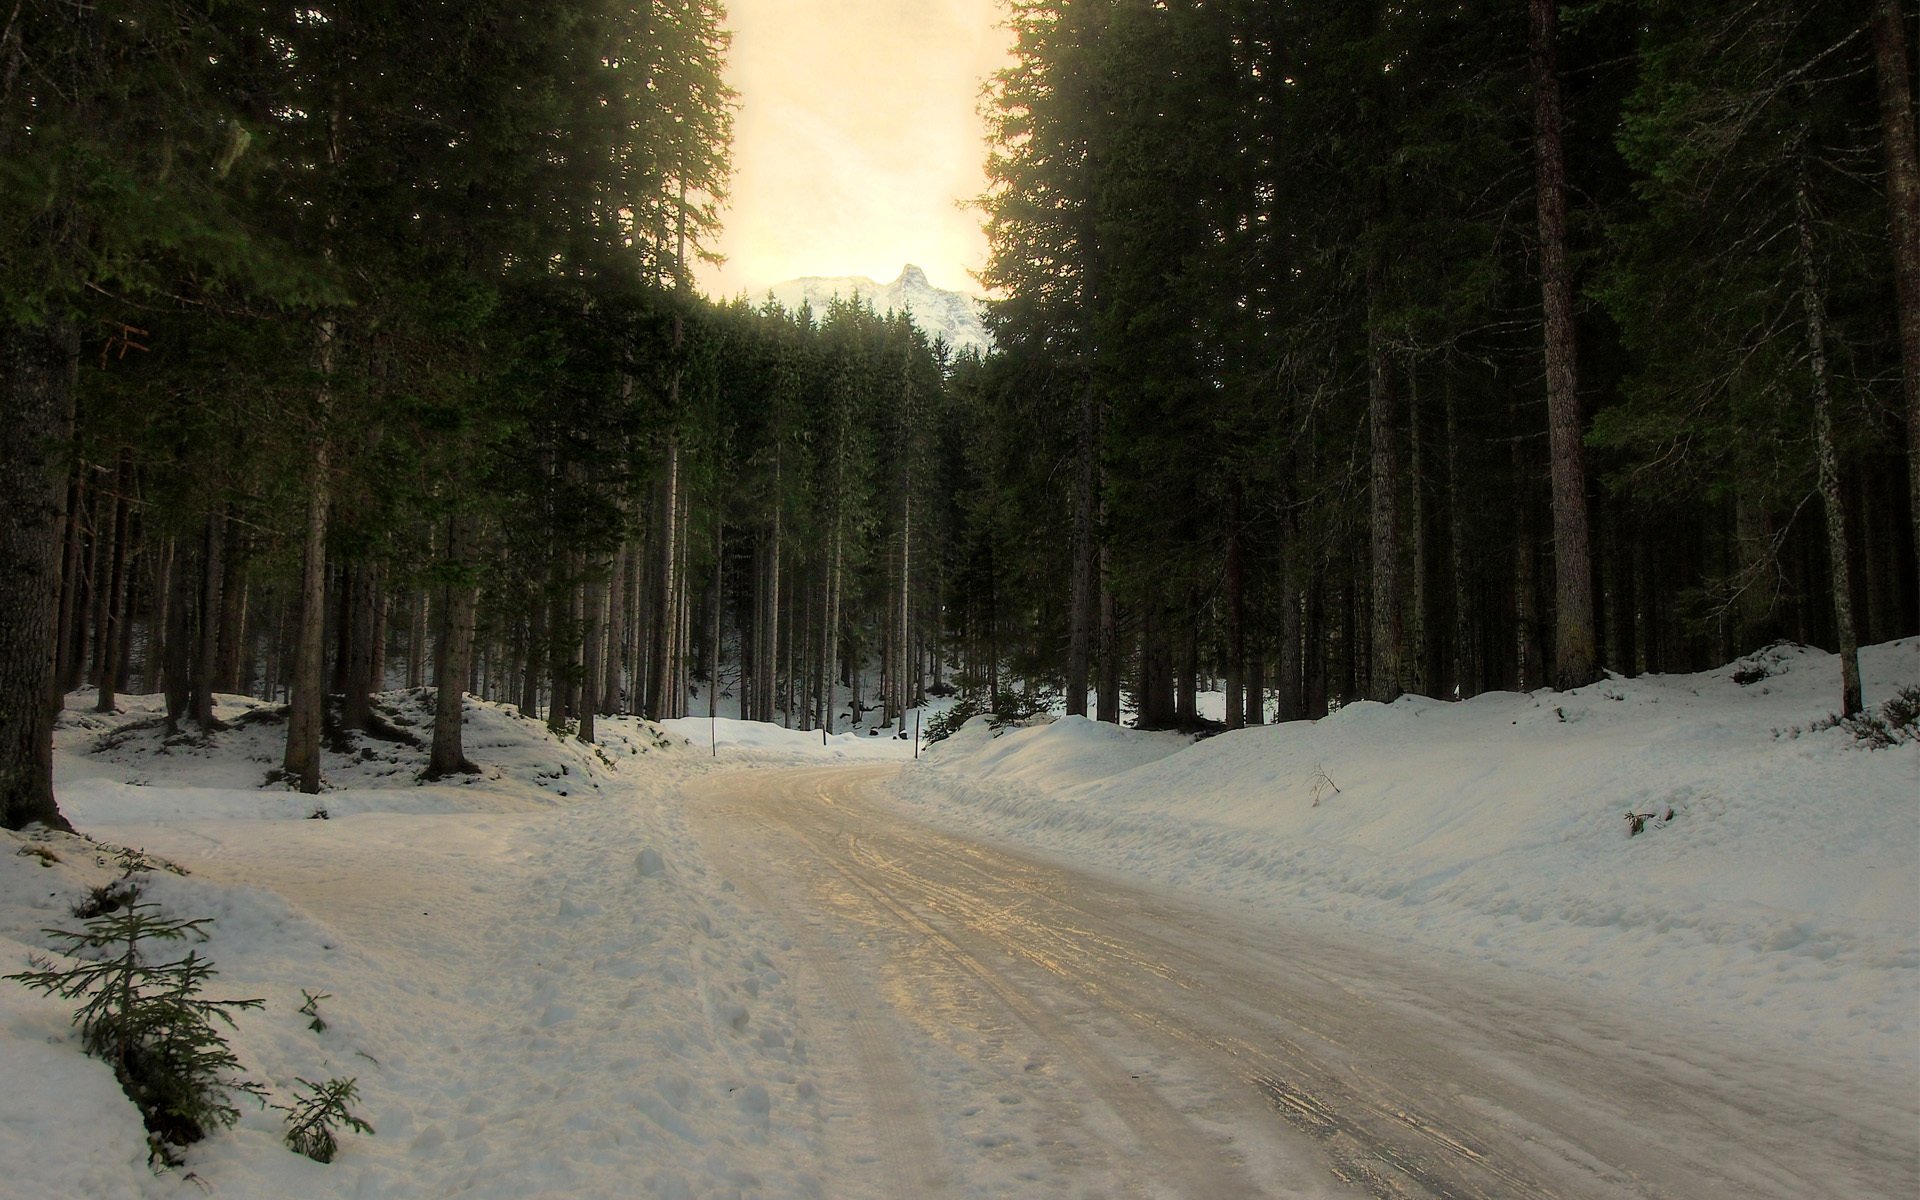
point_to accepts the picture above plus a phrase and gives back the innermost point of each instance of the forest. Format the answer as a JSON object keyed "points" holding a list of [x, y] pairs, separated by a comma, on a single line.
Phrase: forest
{"points": [[1343, 351]]}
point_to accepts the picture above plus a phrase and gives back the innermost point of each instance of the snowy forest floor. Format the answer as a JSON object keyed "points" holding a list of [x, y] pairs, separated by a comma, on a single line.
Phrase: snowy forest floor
{"points": [[544, 985]]}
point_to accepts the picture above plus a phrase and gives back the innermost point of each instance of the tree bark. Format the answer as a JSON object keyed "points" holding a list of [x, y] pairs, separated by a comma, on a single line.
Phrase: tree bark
{"points": [[1574, 659], [453, 658], [233, 612], [114, 633], [1385, 675], [592, 605], [663, 624], [37, 365], [1813, 300], [306, 709], [417, 626], [1892, 64], [1466, 675], [67, 584], [1108, 698], [1080, 588], [207, 643], [1236, 610]]}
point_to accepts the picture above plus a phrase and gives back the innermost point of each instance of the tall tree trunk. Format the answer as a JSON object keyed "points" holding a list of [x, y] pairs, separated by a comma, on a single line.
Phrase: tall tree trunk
{"points": [[1080, 589], [453, 658], [593, 600], [231, 673], [207, 646], [37, 365], [360, 644], [1422, 677], [1526, 673], [719, 611], [832, 653], [308, 703], [115, 633], [100, 577], [182, 612], [1108, 699], [903, 674], [417, 625], [1236, 610], [67, 582], [663, 622], [153, 665], [1574, 656], [612, 693], [682, 667], [1385, 675], [1466, 674], [562, 641], [1813, 299], [534, 654], [1187, 688], [1892, 63]]}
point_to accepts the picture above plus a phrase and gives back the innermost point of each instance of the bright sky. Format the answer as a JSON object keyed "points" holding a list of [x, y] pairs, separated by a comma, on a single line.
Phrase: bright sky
{"points": [[858, 137]]}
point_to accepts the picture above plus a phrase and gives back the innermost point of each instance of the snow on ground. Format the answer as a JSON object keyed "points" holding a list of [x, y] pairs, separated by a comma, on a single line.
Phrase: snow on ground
{"points": [[532, 977], [1782, 899], [543, 988]]}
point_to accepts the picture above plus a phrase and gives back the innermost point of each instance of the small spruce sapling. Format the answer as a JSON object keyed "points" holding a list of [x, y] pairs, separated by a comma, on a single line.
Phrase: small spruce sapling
{"points": [[312, 1009], [312, 1118], [150, 1023]]}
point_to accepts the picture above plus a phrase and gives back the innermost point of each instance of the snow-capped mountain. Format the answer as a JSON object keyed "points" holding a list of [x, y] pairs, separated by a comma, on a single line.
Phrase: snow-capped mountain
{"points": [[954, 316]]}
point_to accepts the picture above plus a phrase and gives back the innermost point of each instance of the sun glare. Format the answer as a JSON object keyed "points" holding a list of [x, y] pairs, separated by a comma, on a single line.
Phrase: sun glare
{"points": [[859, 142]]}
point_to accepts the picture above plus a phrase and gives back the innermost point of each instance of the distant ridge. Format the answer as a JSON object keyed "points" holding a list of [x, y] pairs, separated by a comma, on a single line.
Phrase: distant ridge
{"points": [[954, 316]]}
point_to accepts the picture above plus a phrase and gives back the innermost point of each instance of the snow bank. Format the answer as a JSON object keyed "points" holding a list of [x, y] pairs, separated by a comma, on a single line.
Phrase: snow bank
{"points": [[758, 741], [533, 976], [1782, 897]]}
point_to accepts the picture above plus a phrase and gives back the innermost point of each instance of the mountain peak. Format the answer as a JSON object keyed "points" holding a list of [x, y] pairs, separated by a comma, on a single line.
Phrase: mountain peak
{"points": [[954, 316]]}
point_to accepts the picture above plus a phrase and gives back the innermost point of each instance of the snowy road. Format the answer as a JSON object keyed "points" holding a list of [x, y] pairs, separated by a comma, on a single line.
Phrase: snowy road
{"points": [[1004, 1026]]}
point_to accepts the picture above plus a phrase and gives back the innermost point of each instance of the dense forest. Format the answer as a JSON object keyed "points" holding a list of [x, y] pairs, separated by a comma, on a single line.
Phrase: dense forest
{"points": [[1343, 350]]}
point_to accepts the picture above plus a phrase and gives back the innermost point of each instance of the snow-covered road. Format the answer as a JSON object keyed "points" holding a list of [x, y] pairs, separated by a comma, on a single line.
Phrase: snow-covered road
{"points": [[998, 1025]]}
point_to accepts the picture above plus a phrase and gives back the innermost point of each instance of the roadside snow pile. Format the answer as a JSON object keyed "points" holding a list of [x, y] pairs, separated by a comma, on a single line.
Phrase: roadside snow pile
{"points": [[124, 767], [768, 745], [1781, 896], [533, 978]]}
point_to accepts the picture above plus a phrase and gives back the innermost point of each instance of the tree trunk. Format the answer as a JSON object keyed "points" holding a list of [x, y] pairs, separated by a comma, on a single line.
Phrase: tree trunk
{"points": [[207, 645], [1420, 674], [719, 610], [1891, 63], [1080, 589], [1108, 699], [1574, 658], [562, 641], [114, 634], [453, 659], [663, 624], [536, 632], [227, 674], [308, 703], [67, 583], [612, 691], [1813, 299], [37, 365], [1385, 676], [1236, 610], [182, 612], [417, 626], [592, 605], [1466, 674]]}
